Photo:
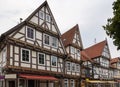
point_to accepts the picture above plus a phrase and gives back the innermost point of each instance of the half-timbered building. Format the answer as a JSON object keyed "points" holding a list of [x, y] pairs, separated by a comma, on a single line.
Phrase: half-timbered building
{"points": [[115, 63], [32, 53], [101, 70], [73, 44]]}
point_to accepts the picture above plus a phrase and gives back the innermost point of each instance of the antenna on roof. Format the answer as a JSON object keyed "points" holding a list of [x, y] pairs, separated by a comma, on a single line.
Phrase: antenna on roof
{"points": [[21, 20], [95, 40]]}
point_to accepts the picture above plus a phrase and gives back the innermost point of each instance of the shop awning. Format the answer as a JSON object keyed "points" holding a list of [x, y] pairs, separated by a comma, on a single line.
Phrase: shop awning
{"points": [[2, 77], [37, 77], [98, 81], [95, 81]]}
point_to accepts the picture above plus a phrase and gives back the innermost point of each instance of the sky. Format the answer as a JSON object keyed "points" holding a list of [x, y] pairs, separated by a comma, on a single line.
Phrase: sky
{"points": [[90, 15]]}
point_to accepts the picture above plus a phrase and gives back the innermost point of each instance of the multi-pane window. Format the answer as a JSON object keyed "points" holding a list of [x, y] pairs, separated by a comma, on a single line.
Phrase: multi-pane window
{"points": [[53, 60], [30, 33], [72, 83], [4, 55], [25, 55], [41, 14], [106, 52], [73, 67], [46, 39], [51, 41], [78, 53], [72, 50], [66, 83], [68, 66], [41, 58], [48, 18], [77, 67], [54, 42]]}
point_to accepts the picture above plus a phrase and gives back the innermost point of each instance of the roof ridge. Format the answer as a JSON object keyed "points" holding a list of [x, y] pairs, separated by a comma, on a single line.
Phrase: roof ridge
{"points": [[95, 44]]}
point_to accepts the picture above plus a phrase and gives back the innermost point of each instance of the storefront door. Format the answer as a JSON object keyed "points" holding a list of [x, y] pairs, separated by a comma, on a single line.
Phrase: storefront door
{"points": [[11, 83], [31, 83]]}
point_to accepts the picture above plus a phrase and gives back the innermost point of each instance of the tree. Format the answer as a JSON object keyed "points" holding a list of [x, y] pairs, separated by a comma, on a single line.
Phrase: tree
{"points": [[112, 27]]}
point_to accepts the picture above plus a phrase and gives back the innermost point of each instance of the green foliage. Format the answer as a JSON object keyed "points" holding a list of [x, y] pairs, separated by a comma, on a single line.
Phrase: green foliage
{"points": [[112, 27]]}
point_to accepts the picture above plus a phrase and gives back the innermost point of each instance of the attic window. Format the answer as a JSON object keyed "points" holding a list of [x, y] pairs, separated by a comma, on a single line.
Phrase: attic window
{"points": [[30, 33], [41, 14], [48, 19]]}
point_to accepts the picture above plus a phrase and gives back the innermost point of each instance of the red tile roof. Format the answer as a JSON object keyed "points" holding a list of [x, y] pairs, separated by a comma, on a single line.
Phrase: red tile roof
{"points": [[85, 57], [68, 36], [96, 50], [114, 60]]}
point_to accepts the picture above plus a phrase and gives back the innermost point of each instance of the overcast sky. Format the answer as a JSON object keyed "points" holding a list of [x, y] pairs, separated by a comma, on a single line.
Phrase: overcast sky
{"points": [[91, 15]]}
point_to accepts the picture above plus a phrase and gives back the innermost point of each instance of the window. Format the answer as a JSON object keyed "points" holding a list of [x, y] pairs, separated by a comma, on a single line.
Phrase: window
{"points": [[65, 83], [41, 58], [41, 14], [48, 19], [78, 53], [53, 60], [51, 41], [73, 67], [77, 67], [46, 39], [72, 83], [68, 66], [54, 42], [72, 50], [25, 55], [4, 55], [30, 33]]}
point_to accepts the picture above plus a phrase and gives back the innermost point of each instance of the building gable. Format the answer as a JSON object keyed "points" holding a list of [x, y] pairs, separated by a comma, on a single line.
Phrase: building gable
{"points": [[43, 17]]}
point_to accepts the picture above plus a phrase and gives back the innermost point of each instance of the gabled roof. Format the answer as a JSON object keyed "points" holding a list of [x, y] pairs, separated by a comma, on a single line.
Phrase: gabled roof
{"points": [[114, 60], [68, 36], [28, 18], [96, 50], [85, 57]]}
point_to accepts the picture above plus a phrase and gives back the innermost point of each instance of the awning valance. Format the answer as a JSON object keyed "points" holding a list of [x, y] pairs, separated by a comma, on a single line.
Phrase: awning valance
{"points": [[98, 81], [37, 77]]}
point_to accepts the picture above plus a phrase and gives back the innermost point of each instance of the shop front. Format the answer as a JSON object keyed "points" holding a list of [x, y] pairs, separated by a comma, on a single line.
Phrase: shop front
{"points": [[99, 83], [25, 80]]}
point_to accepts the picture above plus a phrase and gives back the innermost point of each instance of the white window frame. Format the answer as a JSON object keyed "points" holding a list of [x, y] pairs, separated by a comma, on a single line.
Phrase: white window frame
{"points": [[29, 55], [44, 58], [27, 33], [50, 40], [72, 49], [67, 66], [44, 39], [78, 54], [56, 42], [72, 82], [77, 68], [41, 12], [48, 18], [52, 59], [73, 65], [4, 55], [66, 82]]}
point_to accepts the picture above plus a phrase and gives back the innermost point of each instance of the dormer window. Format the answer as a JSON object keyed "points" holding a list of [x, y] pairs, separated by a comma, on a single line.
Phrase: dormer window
{"points": [[30, 33]]}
